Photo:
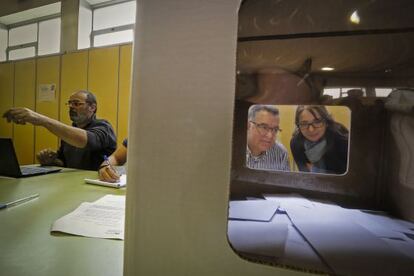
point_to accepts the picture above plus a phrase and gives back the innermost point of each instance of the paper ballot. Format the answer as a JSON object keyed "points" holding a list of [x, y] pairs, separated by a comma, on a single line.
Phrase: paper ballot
{"points": [[120, 184], [104, 218]]}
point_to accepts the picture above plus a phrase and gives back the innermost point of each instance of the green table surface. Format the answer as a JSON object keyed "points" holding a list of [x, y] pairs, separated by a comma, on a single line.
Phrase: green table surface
{"points": [[26, 245]]}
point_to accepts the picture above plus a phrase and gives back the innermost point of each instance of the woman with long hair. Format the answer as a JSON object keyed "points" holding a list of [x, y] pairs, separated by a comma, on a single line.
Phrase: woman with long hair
{"points": [[319, 144]]}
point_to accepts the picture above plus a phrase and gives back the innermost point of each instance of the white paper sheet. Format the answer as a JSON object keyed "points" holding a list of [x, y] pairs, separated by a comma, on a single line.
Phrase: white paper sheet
{"points": [[299, 254], [286, 200], [112, 200], [104, 218], [347, 247], [392, 223], [46, 92], [257, 210], [257, 237], [120, 184], [378, 224]]}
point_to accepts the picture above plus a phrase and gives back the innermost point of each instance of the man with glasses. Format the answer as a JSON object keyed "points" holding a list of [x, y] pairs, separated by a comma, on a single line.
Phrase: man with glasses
{"points": [[263, 151], [84, 144]]}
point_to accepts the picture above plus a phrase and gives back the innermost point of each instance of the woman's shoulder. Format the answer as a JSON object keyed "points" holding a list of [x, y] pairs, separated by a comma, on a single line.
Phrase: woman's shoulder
{"points": [[337, 142], [339, 133], [296, 143]]}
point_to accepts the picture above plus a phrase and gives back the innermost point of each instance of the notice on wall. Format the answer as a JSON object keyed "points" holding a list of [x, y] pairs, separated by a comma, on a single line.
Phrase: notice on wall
{"points": [[46, 92]]}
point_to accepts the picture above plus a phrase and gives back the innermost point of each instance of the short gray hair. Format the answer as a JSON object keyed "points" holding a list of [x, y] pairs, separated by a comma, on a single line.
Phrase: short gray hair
{"points": [[90, 98], [254, 109]]}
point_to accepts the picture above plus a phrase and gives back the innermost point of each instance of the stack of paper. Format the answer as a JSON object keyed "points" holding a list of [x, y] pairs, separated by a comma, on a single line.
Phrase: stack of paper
{"points": [[121, 183], [349, 242], [252, 230]]}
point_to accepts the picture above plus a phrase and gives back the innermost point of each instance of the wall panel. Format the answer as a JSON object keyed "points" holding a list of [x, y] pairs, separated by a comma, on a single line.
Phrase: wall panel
{"points": [[74, 76], [48, 74], [124, 91], [24, 96], [6, 96], [341, 114], [103, 81]]}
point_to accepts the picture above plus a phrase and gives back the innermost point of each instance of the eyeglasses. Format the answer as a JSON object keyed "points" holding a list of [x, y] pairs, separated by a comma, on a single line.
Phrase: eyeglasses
{"points": [[315, 124], [75, 103], [264, 129]]}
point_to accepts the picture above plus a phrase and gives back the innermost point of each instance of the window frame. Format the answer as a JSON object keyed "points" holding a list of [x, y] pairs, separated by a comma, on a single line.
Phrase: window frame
{"points": [[34, 44], [342, 91], [109, 30]]}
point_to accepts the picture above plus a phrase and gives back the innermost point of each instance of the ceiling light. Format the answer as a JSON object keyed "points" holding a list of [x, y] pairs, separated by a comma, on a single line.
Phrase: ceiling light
{"points": [[354, 18], [327, 68]]}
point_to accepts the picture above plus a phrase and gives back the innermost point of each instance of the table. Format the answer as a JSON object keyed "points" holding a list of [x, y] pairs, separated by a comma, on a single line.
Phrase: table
{"points": [[26, 245]]}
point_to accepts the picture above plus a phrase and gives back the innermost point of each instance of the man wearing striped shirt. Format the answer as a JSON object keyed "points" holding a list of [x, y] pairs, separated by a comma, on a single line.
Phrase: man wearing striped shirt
{"points": [[263, 151]]}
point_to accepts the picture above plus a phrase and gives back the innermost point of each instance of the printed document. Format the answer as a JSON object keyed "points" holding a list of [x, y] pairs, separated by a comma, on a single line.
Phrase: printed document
{"points": [[104, 218]]}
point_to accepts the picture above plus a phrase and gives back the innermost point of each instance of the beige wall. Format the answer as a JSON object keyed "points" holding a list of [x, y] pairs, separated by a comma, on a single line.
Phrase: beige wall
{"points": [[179, 155]]}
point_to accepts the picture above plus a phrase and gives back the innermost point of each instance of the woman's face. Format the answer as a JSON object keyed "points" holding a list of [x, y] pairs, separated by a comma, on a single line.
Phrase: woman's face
{"points": [[312, 128]]}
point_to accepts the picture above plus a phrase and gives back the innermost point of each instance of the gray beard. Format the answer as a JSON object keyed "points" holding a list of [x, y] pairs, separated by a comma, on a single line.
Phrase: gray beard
{"points": [[78, 119]]}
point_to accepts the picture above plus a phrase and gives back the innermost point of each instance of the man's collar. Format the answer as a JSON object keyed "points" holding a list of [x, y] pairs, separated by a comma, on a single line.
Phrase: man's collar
{"points": [[93, 118], [249, 152]]}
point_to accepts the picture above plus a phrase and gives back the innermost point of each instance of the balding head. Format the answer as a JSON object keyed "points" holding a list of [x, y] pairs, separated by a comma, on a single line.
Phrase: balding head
{"points": [[90, 98]]}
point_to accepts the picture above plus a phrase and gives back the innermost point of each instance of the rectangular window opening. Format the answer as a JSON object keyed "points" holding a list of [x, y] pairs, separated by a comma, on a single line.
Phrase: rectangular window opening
{"points": [[113, 38], [114, 16], [49, 36], [23, 34], [22, 53]]}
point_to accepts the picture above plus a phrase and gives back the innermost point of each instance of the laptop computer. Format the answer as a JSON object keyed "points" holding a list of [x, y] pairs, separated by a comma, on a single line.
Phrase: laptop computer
{"points": [[9, 165]]}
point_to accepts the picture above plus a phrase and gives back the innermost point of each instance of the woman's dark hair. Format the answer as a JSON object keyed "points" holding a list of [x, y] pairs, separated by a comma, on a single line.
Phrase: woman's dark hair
{"points": [[331, 125]]}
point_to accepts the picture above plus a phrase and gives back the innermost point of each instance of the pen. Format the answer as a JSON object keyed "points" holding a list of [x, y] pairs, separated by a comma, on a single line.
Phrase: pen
{"points": [[106, 159], [18, 201]]}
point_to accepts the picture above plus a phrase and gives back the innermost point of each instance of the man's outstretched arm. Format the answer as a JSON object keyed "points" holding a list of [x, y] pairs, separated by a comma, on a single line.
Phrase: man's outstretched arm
{"points": [[74, 136]]}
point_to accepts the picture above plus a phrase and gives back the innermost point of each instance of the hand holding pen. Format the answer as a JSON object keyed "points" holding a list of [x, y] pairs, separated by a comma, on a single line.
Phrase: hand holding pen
{"points": [[107, 172]]}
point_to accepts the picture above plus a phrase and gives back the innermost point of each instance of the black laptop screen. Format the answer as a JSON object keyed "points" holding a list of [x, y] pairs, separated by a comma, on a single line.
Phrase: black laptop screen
{"points": [[9, 166]]}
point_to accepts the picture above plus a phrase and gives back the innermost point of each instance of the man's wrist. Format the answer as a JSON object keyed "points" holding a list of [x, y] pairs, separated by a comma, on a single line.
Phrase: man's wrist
{"points": [[103, 166], [45, 121]]}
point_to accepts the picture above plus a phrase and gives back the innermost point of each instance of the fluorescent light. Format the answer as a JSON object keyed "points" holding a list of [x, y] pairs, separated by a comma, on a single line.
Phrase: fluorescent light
{"points": [[354, 18], [327, 68]]}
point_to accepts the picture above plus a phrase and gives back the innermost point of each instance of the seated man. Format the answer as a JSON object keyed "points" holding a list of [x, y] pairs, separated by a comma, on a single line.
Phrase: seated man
{"points": [[84, 144], [263, 151], [118, 158]]}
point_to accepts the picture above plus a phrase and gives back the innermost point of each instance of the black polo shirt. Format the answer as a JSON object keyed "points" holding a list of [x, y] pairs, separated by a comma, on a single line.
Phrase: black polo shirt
{"points": [[101, 142]]}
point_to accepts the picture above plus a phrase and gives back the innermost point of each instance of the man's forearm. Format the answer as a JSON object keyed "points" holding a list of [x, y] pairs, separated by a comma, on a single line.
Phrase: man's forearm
{"points": [[74, 136]]}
